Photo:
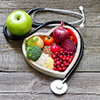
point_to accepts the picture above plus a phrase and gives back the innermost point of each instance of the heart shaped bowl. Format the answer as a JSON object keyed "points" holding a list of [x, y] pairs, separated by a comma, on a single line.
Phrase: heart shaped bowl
{"points": [[48, 71]]}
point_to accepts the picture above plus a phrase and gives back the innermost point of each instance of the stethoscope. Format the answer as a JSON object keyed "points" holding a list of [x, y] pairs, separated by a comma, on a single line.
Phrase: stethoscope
{"points": [[57, 86]]}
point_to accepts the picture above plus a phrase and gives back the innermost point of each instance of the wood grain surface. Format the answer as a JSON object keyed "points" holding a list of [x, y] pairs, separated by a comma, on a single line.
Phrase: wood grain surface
{"points": [[19, 81]]}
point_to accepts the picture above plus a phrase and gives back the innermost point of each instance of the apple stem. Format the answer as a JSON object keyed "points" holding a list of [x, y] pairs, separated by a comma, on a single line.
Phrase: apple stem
{"points": [[18, 18]]}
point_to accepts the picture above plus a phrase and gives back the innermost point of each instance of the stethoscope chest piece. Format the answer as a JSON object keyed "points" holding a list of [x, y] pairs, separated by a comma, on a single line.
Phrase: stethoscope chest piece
{"points": [[58, 87]]}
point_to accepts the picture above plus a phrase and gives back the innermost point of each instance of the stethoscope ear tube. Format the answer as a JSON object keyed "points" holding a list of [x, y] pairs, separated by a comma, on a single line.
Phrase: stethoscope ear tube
{"points": [[81, 16], [32, 11]]}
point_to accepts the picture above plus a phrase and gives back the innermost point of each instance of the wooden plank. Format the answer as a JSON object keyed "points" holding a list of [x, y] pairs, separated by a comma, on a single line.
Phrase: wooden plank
{"points": [[14, 61], [67, 97], [90, 6], [16, 96], [90, 61], [29, 96], [12, 58], [18, 82], [91, 37], [92, 19], [91, 10], [36, 83], [85, 83]]}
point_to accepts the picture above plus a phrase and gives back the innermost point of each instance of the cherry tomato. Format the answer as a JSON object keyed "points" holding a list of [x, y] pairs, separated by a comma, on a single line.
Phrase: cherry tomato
{"points": [[55, 48], [48, 40], [73, 35]]}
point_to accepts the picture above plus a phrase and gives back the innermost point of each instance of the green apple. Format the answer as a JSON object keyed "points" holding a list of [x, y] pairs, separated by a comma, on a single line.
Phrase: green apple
{"points": [[19, 23]]}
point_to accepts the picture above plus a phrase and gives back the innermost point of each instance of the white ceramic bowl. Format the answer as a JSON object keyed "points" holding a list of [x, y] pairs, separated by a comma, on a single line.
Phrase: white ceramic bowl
{"points": [[50, 72]]}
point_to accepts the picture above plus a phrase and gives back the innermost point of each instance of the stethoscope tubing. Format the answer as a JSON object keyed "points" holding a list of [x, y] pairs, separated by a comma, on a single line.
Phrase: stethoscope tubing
{"points": [[79, 58], [39, 26]]}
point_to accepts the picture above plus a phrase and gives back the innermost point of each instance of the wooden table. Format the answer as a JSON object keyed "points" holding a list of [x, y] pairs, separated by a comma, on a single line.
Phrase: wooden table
{"points": [[19, 81]]}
